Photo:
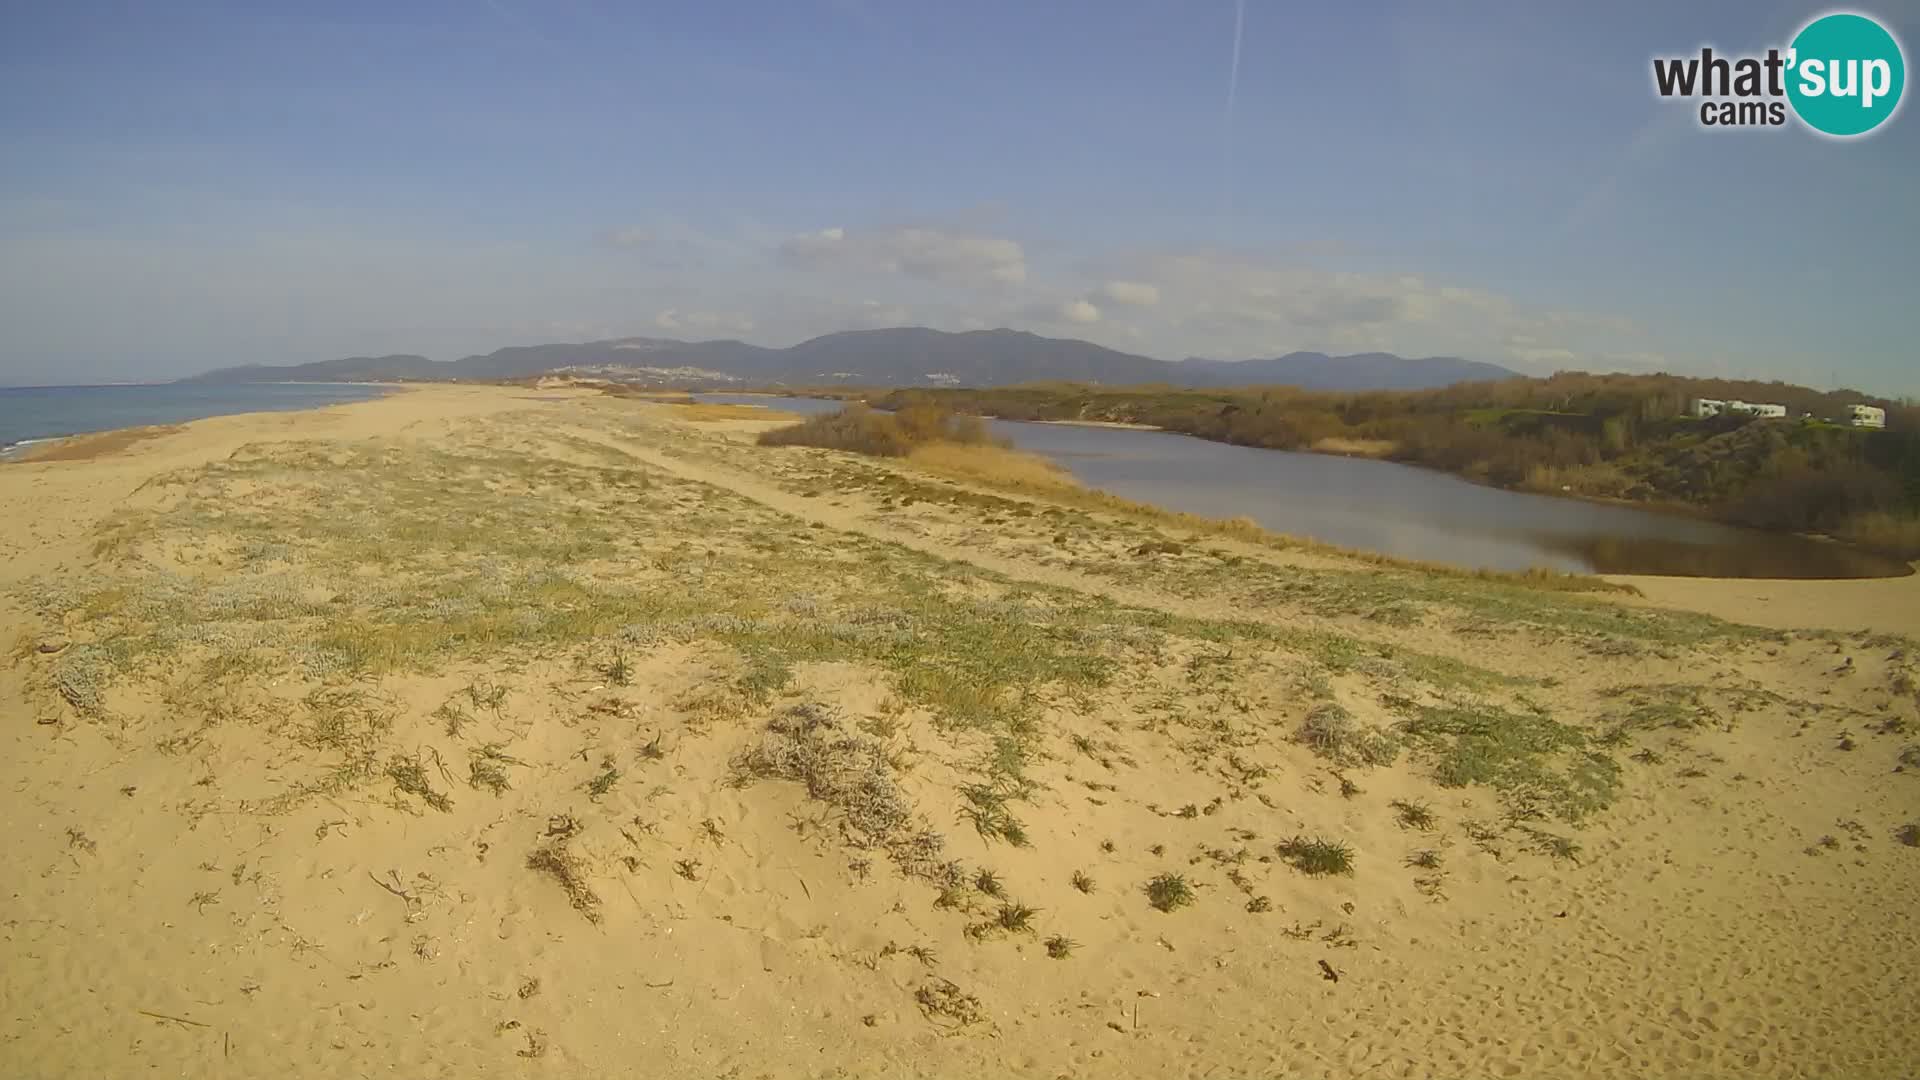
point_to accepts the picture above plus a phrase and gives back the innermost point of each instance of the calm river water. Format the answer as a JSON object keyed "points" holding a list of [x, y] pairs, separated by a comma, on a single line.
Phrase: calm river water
{"points": [[1408, 512]]}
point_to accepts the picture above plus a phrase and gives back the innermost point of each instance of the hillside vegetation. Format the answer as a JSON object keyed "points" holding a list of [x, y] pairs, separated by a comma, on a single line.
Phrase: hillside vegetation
{"points": [[1612, 436]]}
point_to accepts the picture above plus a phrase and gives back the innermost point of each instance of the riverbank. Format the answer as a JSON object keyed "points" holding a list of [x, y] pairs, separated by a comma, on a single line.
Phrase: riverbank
{"points": [[1621, 437], [1357, 502], [479, 730]]}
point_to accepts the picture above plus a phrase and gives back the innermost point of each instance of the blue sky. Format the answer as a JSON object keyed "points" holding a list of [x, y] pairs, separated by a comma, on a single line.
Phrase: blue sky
{"points": [[190, 185]]}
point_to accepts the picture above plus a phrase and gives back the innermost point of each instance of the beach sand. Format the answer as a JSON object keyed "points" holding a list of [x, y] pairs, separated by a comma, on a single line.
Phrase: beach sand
{"points": [[491, 732], [1888, 605]]}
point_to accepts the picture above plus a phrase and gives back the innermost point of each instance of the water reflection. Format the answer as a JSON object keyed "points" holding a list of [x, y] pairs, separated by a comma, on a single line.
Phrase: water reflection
{"points": [[1409, 512]]}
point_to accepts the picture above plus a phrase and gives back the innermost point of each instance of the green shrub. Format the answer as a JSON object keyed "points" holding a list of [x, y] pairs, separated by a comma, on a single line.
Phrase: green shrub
{"points": [[1317, 858]]}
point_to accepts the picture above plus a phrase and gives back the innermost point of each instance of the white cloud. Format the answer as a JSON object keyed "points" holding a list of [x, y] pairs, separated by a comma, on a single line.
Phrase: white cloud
{"points": [[1079, 311], [1542, 358], [633, 236], [929, 254], [874, 314], [1228, 305], [1128, 293], [1074, 312], [704, 322]]}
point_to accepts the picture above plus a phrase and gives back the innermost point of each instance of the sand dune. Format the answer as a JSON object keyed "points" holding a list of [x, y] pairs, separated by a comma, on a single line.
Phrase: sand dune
{"points": [[482, 731]]}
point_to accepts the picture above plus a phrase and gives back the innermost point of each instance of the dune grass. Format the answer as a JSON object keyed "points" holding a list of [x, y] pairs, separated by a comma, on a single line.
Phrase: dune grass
{"points": [[1317, 857], [1170, 892], [328, 569], [343, 563], [1537, 764]]}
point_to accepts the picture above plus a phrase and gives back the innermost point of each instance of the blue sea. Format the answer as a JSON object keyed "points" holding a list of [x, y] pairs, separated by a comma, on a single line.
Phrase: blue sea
{"points": [[31, 414]]}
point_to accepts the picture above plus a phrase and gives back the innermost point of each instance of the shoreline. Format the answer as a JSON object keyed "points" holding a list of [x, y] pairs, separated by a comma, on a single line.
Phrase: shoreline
{"points": [[1118, 425], [1665, 507], [40, 448], [17, 449]]}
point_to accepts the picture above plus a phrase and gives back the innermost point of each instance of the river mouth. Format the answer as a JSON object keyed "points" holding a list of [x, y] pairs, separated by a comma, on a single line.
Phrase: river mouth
{"points": [[1408, 512]]}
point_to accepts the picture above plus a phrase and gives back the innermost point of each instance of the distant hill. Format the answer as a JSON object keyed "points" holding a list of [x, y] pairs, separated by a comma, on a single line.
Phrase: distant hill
{"points": [[902, 356], [351, 369]]}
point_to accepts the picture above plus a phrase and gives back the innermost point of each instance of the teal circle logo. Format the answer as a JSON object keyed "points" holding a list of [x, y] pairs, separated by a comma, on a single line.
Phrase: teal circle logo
{"points": [[1845, 73]]}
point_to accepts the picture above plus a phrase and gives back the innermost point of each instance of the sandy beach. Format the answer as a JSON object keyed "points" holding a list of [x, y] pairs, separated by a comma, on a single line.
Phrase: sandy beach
{"points": [[484, 731]]}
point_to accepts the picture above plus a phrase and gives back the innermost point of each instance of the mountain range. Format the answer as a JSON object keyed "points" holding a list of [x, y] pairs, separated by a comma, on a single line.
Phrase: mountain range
{"points": [[903, 356]]}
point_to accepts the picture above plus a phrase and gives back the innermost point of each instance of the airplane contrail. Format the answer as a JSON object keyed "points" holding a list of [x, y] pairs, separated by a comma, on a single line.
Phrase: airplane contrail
{"points": [[1233, 93], [1233, 72]]}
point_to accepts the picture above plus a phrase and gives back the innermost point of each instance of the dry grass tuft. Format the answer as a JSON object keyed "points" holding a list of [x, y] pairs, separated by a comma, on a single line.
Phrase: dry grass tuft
{"points": [[992, 464], [409, 774], [555, 860], [1332, 733], [864, 431], [1414, 814], [850, 772], [486, 768], [807, 743], [1353, 447], [944, 1000]]}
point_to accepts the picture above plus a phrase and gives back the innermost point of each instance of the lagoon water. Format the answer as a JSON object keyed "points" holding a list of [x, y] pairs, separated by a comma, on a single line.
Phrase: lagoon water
{"points": [[1409, 512]]}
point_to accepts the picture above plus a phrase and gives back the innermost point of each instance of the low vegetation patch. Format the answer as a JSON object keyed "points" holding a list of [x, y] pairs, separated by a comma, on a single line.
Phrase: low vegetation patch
{"points": [[702, 412], [1317, 857], [557, 861], [1015, 918], [943, 1000], [487, 768], [1413, 814], [1331, 732], [808, 744], [1537, 764], [1169, 892], [866, 431], [409, 774]]}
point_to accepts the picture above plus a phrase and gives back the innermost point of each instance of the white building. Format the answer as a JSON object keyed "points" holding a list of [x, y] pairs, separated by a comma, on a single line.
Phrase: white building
{"points": [[1705, 407], [1866, 416]]}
